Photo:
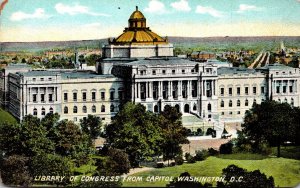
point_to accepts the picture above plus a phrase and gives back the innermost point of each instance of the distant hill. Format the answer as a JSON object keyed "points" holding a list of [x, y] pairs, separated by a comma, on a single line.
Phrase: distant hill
{"points": [[184, 42]]}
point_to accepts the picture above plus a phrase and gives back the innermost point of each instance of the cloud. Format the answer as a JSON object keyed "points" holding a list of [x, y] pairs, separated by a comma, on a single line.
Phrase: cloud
{"points": [[76, 9], [155, 6], [182, 5], [39, 13], [209, 10], [245, 7]]}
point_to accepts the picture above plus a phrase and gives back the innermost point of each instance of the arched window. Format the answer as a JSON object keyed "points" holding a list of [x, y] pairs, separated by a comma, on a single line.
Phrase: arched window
{"points": [[35, 112], [156, 108], [75, 109], [112, 108], [102, 108], [285, 100], [186, 108], [246, 102], [209, 107], [230, 103], [94, 109], [177, 107], [66, 110], [222, 103], [51, 110], [238, 103], [292, 101], [254, 102], [43, 111], [195, 107], [84, 110]]}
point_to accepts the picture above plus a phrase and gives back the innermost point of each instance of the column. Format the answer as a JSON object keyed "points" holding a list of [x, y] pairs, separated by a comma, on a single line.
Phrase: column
{"points": [[151, 90], [46, 94], [137, 90], [214, 93], [159, 89], [146, 89], [204, 87], [171, 89], [180, 89], [38, 97]]}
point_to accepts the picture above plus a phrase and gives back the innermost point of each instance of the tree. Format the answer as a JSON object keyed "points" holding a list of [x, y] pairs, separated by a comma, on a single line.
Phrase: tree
{"points": [[270, 121], [33, 137], [136, 131], [70, 140], [10, 141], [239, 177], [91, 126], [15, 171], [51, 165], [173, 132]]}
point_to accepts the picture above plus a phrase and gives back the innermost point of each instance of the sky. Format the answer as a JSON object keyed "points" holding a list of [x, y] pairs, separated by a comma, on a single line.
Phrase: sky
{"points": [[60, 20]]}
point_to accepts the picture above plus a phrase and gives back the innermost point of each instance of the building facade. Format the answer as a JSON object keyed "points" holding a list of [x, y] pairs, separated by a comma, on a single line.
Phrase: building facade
{"points": [[139, 66]]}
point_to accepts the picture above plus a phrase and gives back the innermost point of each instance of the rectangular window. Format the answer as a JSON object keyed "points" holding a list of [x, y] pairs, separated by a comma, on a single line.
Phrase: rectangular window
{"points": [[284, 89], [230, 91], [291, 89], [222, 91], [74, 96], [173, 71], [254, 90], [154, 72], [238, 90], [102, 95], [93, 96], [183, 71], [42, 97], [84, 96], [277, 89], [164, 71], [34, 98], [65, 96], [50, 98], [246, 90], [262, 90], [112, 95]]}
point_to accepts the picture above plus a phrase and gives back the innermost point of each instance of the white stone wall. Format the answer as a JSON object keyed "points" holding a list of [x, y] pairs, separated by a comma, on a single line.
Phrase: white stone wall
{"points": [[97, 85], [235, 112]]}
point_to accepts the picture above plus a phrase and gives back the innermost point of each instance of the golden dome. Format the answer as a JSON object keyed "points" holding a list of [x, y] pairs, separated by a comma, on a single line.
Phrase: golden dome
{"points": [[137, 14], [138, 33]]}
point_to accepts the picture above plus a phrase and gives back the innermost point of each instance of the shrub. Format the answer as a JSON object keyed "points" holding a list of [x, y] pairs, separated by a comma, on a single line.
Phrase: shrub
{"points": [[201, 155], [160, 165], [189, 158], [264, 148], [226, 148], [179, 160], [212, 152], [249, 179]]}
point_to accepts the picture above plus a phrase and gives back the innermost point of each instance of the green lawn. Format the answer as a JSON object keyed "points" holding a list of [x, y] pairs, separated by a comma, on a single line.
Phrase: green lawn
{"points": [[286, 172], [5, 116], [292, 152]]}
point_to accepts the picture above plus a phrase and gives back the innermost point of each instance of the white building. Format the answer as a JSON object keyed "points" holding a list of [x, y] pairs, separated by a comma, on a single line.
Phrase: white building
{"points": [[139, 66]]}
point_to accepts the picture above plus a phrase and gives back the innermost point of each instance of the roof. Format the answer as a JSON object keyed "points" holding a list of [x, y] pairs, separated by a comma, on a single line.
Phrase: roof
{"points": [[235, 70], [137, 14], [138, 32], [163, 61], [276, 66], [71, 74]]}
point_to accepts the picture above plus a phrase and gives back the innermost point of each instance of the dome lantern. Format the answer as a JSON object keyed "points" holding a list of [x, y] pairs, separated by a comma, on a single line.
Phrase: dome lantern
{"points": [[137, 20]]}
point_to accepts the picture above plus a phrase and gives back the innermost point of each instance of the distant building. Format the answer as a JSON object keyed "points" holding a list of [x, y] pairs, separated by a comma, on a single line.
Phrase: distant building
{"points": [[202, 55]]}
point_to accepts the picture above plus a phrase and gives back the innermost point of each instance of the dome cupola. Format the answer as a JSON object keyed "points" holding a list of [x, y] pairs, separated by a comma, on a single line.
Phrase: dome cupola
{"points": [[137, 20]]}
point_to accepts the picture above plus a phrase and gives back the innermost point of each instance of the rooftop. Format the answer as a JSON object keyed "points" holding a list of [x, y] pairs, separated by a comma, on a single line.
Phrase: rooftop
{"points": [[235, 70], [162, 61]]}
